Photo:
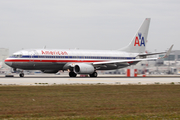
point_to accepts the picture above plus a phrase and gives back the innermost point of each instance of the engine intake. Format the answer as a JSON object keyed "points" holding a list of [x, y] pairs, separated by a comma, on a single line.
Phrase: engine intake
{"points": [[83, 68]]}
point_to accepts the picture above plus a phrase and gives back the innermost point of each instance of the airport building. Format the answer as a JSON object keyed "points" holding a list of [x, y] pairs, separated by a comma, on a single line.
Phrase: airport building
{"points": [[169, 65], [4, 53]]}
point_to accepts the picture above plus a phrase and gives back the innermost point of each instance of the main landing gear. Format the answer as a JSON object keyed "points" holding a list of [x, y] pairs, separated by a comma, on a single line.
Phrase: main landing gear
{"points": [[72, 74], [94, 74], [21, 74]]}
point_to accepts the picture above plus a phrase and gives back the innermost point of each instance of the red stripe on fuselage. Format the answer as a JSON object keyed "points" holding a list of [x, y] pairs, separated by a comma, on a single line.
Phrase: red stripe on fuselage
{"points": [[53, 60]]}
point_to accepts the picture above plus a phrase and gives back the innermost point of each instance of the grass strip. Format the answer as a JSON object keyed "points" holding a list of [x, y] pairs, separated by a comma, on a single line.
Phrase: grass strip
{"points": [[86, 102]]}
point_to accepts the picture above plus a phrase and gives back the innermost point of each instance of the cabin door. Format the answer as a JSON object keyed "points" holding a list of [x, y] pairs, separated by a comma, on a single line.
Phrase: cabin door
{"points": [[31, 56]]}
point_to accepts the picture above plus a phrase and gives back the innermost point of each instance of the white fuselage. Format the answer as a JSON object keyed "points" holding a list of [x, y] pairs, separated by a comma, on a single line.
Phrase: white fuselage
{"points": [[54, 59]]}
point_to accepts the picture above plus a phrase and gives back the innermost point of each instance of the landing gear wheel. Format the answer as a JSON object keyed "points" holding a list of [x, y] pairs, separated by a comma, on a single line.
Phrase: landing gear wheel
{"points": [[21, 75], [72, 74], [94, 74]]}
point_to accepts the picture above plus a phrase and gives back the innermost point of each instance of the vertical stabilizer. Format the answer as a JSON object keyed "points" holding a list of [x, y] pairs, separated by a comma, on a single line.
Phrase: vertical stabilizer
{"points": [[138, 44]]}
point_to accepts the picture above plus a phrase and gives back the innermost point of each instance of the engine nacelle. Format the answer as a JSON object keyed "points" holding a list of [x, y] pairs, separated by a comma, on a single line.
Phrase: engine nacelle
{"points": [[83, 68], [49, 71]]}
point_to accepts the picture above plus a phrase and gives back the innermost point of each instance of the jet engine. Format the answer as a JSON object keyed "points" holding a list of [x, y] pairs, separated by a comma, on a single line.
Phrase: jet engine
{"points": [[49, 71], [83, 68]]}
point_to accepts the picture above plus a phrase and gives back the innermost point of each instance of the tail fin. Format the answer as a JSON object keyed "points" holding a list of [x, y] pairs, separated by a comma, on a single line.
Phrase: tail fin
{"points": [[138, 44]]}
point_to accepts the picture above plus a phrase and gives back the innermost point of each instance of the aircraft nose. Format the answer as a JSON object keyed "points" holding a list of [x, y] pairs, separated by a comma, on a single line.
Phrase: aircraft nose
{"points": [[8, 63]]}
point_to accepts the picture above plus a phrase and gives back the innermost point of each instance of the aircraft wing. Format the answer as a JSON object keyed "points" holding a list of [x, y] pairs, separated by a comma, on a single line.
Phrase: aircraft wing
{"points": [[147, 54], [129, 62], [121, 62]]}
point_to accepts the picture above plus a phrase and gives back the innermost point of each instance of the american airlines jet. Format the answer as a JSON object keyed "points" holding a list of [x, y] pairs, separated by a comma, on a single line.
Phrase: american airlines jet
{"points": [[84, 61]]}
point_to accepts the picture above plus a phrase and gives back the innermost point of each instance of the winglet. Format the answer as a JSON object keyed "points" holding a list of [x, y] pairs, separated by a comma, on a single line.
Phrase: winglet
{"points": [[168, 52]]}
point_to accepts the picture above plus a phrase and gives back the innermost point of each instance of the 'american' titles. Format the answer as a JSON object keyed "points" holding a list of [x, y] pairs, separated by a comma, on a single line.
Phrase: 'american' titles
{"points": [[54, 52]]}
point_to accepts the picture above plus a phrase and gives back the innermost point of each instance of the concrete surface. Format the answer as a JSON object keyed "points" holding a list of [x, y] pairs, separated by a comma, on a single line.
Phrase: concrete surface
{"points": [[101, 79]]}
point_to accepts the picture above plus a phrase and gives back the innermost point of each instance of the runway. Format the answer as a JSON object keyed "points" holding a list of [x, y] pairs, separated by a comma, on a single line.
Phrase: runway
{"points": [[101, 79]]}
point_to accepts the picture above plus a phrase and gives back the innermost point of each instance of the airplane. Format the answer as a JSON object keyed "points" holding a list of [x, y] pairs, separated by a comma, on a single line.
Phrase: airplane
{"points": [[78, 61]]}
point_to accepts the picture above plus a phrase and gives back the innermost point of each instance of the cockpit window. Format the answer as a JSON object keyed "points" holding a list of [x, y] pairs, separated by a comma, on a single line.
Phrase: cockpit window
{"points": [[19, 56]]}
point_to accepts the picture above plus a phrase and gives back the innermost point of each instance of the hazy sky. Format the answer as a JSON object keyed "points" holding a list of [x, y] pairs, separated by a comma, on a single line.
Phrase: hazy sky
{"points": [[87, 24]]}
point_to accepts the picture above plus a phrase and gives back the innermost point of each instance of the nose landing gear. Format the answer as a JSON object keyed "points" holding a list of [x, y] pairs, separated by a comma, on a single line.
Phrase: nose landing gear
{"points": [[14, 70]]}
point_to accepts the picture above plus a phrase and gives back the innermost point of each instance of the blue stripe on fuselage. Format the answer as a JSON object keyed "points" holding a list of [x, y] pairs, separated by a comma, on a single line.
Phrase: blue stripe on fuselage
{"points": [[73, 57]]}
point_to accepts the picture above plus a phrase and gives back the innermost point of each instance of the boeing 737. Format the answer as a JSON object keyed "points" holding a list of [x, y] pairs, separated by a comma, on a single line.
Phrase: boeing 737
{"points": [[84, 61]]}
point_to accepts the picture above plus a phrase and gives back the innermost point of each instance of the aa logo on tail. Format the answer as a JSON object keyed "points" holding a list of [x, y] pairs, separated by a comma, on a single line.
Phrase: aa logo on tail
{"points": [[139, 40]]}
